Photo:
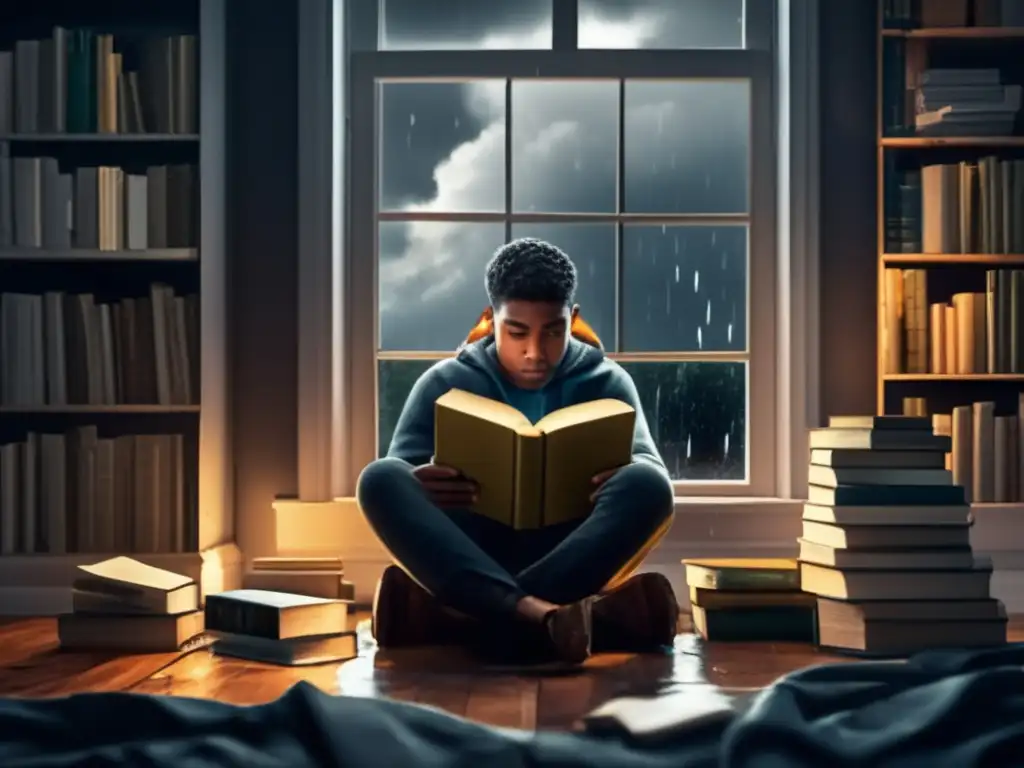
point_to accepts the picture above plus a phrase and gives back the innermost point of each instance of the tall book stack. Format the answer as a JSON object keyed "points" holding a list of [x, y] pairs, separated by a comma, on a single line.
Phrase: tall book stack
{"points": [[886, 542]]}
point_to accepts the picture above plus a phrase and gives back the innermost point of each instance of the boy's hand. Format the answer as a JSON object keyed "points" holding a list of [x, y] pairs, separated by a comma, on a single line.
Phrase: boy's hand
{"points": [[446, 487], [599, 480]]}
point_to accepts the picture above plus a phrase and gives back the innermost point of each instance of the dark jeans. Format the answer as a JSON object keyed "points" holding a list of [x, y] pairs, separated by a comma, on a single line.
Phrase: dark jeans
{"points": [[483, 568]]}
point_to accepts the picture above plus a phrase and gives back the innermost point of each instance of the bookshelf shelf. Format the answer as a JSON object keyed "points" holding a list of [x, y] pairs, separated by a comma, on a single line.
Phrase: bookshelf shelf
{"points": [[38, 138], [928, 142], [116, 409], [953, 259], [958, 33], [91, 254]]}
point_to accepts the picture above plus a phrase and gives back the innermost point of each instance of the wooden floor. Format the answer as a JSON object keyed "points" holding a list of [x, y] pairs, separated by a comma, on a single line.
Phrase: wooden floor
{"points": [[31, 665]]}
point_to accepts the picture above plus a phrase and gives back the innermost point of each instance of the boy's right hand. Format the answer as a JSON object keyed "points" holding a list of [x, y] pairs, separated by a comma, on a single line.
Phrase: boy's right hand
{"points": [[446, 487]]}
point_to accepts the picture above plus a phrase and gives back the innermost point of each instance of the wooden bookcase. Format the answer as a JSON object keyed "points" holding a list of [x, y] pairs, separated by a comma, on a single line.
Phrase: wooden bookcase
{"points": [[114, 407], [952, 232]]}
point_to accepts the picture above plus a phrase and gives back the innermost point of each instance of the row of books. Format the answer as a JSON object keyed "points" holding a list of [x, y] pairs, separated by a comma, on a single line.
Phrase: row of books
{"points": [[885, 562], [986, 457], [69, 349], [121, 604], [913, 14], [970, 207], [102, 208], [82, 492], [81, 81], [920, 101], [975, 332]]}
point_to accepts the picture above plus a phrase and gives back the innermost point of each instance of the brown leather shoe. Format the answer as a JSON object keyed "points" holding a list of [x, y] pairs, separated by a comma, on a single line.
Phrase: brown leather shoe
{"points": [[405, 614], [640, 615], [561, 640]]}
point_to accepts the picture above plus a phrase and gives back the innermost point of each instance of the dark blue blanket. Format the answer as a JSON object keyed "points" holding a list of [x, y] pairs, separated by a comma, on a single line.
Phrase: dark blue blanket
{"points": [[940, 710]]}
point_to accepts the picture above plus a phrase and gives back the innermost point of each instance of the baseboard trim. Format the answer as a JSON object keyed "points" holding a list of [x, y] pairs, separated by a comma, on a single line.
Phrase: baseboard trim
{"points": [[703, 527], [40, 585]]}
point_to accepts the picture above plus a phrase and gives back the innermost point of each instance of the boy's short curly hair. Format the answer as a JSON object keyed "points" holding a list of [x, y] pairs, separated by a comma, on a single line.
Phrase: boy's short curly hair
{"points": [[529, 269]]}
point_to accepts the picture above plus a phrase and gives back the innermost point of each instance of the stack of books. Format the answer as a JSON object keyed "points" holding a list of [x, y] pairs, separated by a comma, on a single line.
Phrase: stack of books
{"points": [[122, 604], [280, 628], [749, 600], [311, 576], [886, 542]]}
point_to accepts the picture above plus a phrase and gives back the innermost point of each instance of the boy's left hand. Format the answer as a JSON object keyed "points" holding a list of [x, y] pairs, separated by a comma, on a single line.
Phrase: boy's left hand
{"points": [[600, 479]]}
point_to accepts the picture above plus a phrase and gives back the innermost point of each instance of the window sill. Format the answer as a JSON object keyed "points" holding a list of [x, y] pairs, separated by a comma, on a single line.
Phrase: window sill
{"points": [[704, 526]]}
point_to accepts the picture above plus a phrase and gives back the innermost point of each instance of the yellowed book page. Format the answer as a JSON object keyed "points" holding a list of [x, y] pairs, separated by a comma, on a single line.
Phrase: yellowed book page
{"points": [[579, 442], [477, 436], [127, 571]]}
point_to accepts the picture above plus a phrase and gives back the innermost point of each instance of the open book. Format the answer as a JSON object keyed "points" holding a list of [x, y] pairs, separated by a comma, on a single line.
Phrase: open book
{"points": [[532, 475]]}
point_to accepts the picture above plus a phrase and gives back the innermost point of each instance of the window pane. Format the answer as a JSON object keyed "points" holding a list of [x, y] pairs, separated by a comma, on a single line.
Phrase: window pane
{"points": [[442, 146], [684, 288], [687, 147], [431, 281], [564, 146], [592, 249], [697, 413], [447, 25], [664, 24], [394, 382]]}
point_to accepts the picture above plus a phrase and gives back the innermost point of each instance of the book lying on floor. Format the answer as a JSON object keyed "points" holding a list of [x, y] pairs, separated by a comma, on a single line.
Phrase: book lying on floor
{"points": [[140, 633], [532, 475], [293, 652], [662, 716], [127, 585], [274, 615], [743, 574], [900, 628], [756, 624], [313, 576]]}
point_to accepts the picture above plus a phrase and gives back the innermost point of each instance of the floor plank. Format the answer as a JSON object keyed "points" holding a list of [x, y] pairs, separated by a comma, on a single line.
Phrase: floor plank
{"points": [[31, 665]]}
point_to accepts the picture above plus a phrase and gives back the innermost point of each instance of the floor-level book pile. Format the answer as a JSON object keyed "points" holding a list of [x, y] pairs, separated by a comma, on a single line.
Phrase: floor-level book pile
{"points": [[886, 542], [749, 600], [122, 604], [280, 628]]}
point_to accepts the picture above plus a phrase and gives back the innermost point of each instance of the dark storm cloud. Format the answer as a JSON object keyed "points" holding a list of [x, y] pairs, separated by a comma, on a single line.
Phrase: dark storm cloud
{"points": [[415, 23], [420, 127], [680, 23]]}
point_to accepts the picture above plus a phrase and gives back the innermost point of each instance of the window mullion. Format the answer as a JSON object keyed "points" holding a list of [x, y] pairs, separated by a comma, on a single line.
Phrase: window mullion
{"points": [[508, 159], [620, 205], [564, 25]]}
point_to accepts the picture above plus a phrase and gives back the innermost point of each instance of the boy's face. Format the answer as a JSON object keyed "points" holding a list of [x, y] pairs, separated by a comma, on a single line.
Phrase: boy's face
{"points": [[531, 338]]}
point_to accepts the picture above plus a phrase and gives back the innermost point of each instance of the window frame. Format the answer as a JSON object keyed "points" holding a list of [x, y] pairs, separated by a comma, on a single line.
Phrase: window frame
{"points": [[337, 422]]}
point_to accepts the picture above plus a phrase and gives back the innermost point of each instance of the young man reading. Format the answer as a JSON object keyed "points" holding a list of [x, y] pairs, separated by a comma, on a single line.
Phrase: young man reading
{"points": [[556, 584]]}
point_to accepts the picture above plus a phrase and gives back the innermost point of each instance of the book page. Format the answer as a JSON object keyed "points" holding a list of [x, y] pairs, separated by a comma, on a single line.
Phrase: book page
{"points": [[580, 442], [125, 570], [478, 437]]}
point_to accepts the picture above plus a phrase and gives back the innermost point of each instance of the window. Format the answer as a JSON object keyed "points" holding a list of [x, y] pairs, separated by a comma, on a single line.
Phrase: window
{"points": [[652, 169]]}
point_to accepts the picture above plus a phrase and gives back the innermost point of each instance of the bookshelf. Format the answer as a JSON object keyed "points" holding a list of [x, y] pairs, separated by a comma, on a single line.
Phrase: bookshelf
{"points": [[114, 402], [950, 153]]}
